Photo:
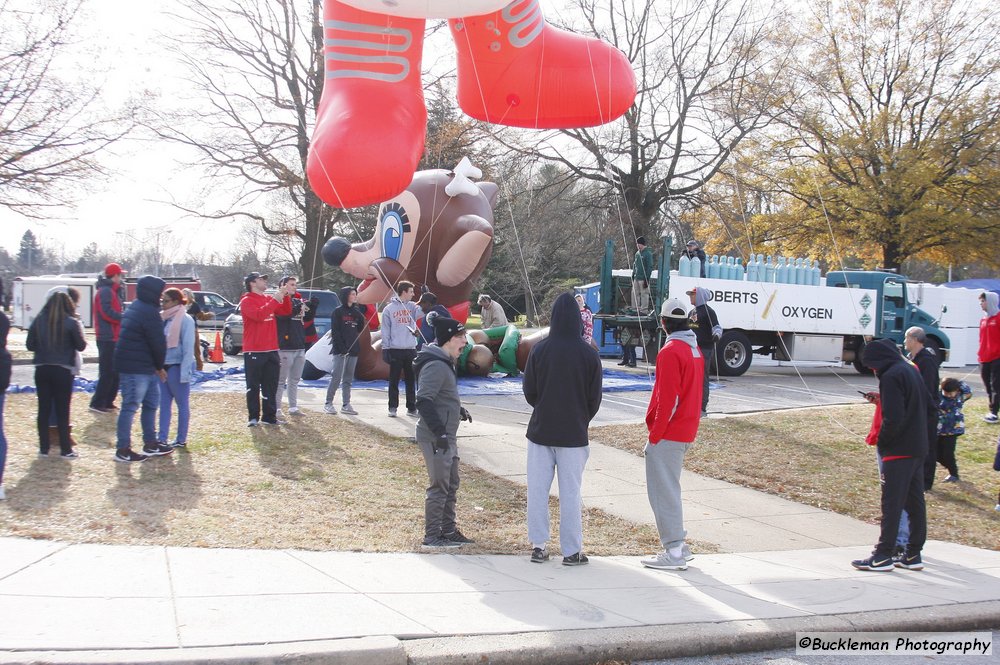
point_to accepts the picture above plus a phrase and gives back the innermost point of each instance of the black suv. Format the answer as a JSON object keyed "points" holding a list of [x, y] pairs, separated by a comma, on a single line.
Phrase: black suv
{"points": [[232, 331]]}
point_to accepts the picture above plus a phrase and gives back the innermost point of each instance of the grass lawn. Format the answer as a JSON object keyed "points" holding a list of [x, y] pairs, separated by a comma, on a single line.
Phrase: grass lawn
{"points": [[321, 482], [818, 457]]}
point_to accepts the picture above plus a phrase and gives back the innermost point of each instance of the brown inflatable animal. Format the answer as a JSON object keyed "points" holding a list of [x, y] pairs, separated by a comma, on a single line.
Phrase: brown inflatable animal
{"points": [[438, 233]]}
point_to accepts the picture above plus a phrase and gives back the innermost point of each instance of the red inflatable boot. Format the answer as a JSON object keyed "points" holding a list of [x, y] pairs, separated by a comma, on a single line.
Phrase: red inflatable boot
{"points": [[516, 69], [370, 126]]}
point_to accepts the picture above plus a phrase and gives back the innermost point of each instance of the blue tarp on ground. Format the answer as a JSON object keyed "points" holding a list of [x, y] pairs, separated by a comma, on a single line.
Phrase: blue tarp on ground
{"points": [[230, 379]]}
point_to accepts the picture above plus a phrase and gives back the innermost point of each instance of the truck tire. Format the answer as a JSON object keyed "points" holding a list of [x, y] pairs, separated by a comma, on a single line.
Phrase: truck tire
{"points": [[733, 353]]}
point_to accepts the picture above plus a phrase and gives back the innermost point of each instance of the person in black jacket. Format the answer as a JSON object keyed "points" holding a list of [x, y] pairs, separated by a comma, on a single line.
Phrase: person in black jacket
{"points": [[291, 344], [902, 445], [5, 369], [562, 382], [346, 324], [705, 324], [693, 250], [55, 337], [927, 362], [140, 356]]}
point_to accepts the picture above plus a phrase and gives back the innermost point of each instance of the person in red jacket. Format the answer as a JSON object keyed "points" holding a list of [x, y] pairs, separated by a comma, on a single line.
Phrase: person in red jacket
{"points": [[989, 352], [260, 348], [672, 419], [107, 323]]}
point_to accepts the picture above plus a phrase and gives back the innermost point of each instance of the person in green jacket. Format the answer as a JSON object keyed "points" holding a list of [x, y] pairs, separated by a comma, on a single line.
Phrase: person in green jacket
{"points": [[641, 274]]}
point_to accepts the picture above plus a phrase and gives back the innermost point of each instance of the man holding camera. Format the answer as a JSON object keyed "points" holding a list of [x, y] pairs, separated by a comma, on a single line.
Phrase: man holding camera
{"points": [[260, 348]]}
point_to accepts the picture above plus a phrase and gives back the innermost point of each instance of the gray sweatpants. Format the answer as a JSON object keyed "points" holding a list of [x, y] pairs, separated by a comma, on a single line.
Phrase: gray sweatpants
{"points": [[292, 363], [341, 375], [442, 474], [543, 461], [664, 462]]}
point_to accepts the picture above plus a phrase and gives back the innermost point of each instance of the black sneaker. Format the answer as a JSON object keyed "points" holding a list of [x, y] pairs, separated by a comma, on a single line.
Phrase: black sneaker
{"points": [[412, 413], [128, 455], [910, 562], [539, 555], [70, 455], [875, 562], [578, 559], [156, 449], [179, 444], [457, 536], [439, 543], [951, 479]]}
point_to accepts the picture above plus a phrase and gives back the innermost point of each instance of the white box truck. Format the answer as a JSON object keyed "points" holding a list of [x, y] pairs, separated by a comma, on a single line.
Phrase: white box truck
{"points": [[29, 297]]}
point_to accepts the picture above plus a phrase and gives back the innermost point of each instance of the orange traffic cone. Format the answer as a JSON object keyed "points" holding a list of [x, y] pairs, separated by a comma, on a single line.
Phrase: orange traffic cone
{"points": [[215, 355]]}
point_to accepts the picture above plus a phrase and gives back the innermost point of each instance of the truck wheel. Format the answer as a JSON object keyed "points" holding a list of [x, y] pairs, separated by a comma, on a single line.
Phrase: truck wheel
{"points": [[228, 347], [733, 353]]}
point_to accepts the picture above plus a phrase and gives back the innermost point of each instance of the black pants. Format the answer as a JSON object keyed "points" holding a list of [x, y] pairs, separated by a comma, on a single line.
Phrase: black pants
{"points": [[401, 363], [991, 379], [930, 462], [902, 488], [55, 388], [262, 370], [107, 377], [946, 452], [708, 353], [628, 355]]}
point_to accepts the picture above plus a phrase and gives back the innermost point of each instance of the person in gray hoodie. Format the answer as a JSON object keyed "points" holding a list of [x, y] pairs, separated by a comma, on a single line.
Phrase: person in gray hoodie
{"points": [[437, 430], [399, 345]]}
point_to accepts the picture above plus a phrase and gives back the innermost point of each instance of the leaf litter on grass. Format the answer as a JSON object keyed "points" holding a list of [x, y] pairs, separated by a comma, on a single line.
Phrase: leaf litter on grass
{"points": [[305, 485]]}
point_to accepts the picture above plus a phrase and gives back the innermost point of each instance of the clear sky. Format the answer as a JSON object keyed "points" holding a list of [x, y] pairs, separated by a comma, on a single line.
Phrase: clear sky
{"points": [[122, 32]]}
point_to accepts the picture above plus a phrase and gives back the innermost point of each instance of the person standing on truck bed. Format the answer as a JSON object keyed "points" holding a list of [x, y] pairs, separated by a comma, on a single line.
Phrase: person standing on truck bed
{"points": [[642, 272], [705, 324], [693, 250]]}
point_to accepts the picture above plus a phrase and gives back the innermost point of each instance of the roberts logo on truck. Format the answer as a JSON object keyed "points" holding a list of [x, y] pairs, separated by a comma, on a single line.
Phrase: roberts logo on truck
{"points": [[735, 296]]}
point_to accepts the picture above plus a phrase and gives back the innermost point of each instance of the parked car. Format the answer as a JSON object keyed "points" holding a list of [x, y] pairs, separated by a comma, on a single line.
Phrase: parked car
{"points": [[232, 329], [209, 301]]}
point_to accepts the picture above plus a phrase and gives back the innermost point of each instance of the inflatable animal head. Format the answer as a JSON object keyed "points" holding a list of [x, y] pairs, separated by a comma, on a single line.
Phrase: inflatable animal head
{"points": [[437, 233]]}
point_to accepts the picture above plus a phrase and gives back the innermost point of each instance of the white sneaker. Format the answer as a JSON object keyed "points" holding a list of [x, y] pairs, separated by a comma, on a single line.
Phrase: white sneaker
{"points": [[294, 411], [996, 508], [3, 495], [392, 413], [991, 418], [663, 561], [252, 422], [279, 414], [330, 408]]}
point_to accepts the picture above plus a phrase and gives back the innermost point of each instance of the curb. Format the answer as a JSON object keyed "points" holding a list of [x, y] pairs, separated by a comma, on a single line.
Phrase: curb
{"points": [[355, 651], [578, 647]]}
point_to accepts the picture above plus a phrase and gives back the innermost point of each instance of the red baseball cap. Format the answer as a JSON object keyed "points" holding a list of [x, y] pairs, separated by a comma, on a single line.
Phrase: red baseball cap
{"points": [[112, 269]]}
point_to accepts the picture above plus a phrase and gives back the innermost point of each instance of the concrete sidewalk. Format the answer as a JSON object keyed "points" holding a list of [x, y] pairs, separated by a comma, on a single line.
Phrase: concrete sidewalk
{"points": [[785, 568]]}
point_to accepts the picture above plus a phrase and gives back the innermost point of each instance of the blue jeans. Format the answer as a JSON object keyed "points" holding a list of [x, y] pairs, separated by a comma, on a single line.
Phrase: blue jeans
{"points": [[175, 391], [138, 389], [3, 439]]}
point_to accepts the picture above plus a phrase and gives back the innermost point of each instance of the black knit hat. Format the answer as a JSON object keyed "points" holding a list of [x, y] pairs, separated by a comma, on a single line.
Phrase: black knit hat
{"points": [[641, 240], [445, 328]]}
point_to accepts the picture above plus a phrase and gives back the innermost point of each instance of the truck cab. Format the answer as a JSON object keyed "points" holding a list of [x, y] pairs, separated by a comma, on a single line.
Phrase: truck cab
{"points": [[894, 313]]}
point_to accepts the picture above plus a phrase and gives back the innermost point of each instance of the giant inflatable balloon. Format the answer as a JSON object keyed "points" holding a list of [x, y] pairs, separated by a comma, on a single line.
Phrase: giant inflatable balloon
{"points": [[513, 69], [437, 233]]}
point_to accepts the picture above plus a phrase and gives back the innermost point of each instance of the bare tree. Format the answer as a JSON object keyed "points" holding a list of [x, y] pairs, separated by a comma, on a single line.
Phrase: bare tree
{"points": [[51, 126], [706, 80], [256, 72]]}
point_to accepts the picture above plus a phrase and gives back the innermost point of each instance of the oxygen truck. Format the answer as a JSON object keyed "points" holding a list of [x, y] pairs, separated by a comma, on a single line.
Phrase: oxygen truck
{"points": [[790, 322]]}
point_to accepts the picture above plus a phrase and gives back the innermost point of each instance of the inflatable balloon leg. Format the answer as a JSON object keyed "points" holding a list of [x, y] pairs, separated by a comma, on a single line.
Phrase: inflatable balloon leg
{"points": [[513, 69]]}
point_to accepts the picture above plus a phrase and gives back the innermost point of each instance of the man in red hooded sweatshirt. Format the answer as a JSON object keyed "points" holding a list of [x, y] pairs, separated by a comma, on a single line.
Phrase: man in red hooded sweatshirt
{"points": [[260, 348], [672, 419]]}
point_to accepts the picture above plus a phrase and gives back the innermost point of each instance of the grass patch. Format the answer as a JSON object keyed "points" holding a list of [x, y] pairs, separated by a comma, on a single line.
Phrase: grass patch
{"points": [[818, 457], [318, 483]]}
